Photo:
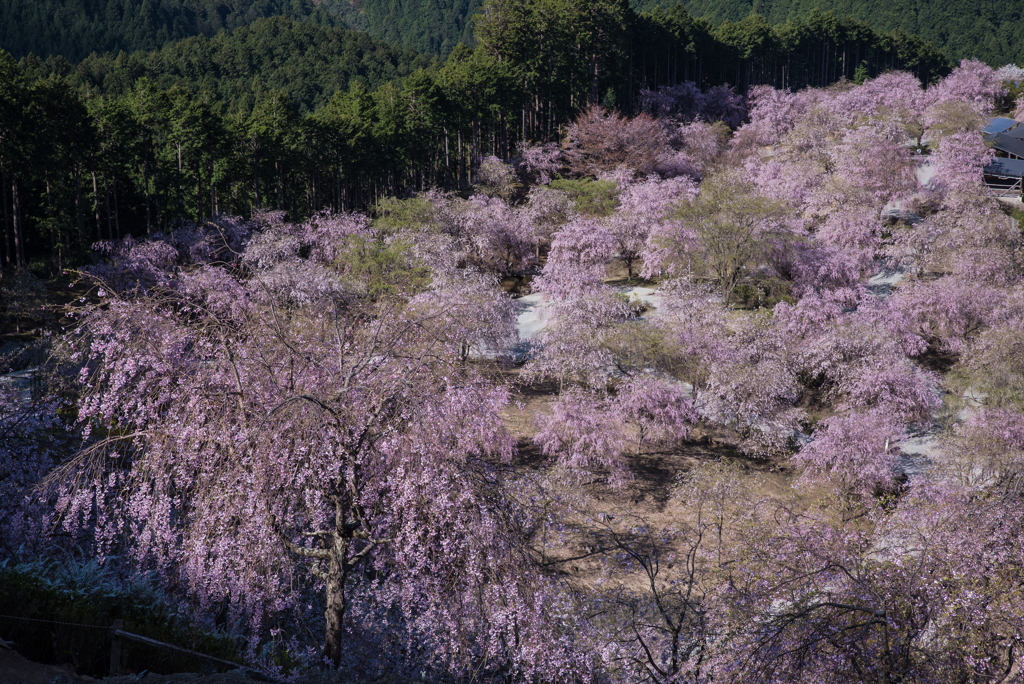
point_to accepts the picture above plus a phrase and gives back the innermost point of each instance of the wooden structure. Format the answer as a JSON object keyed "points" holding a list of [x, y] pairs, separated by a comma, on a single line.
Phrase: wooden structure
{"points": [[1006, 137], [1005, 177]]}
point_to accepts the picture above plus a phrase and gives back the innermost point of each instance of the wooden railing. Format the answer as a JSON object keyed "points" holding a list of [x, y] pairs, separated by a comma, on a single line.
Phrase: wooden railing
{"points": [[1005, 188], [115, 653]]}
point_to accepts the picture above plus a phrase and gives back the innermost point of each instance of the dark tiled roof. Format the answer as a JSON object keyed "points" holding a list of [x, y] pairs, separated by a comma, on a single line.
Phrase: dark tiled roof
{"points": [[999, 125], [1006, 167], [1005, 142], [1005, 135]]}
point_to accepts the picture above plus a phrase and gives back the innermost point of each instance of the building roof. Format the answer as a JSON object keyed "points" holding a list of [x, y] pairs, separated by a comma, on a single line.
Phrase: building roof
{"points": [[1010, 168], [1005, 135], [1007, 142], [999, 125]]}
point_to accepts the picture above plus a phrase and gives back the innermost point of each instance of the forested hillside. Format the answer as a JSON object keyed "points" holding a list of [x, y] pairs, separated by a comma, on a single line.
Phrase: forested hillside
{"points": [[431, 26], [990, 31], [301, 117], [993, 32], [306, 61], [76, 29]]}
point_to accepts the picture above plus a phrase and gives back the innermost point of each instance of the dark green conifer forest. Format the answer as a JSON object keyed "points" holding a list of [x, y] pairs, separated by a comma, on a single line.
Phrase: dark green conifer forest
{"points": [[990, 31], [300, 114]]}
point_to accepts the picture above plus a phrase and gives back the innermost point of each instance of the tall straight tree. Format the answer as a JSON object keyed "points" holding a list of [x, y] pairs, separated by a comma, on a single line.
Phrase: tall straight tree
{"points": [[12, 151]]}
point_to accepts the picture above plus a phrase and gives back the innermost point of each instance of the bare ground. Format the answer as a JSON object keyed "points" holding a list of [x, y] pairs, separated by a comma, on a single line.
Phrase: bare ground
{"points": [[648, 498], [15, 669]]}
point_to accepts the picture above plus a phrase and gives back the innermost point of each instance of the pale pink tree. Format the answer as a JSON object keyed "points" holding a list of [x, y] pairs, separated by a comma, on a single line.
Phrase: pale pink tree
{"points": [[596, 430], [279, 450], [33, 439], [754, 389], [973, 83], [683, 102], [585, 433], [813, 599], [701, 142], [969, 240], [857, 352], [787, 176], [484, 326], [872, 166], [658, 409], [544, 213], [540, 162], [773, 113], [494, 236], [496, 178], [573, 345], [131, 264], [856, 452], [946, 312], [725, 230], [696, 323], [990, 367], [1011, 73], [696, 148], [641, 207], [959, 163], [721, 103], [985, 453], [577, 258]]}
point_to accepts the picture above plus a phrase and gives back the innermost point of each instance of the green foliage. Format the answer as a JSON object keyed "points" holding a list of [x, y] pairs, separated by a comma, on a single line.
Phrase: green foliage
{"points": [[393, 215], [736, 226], [433, 27], [591, 197], [566, 49], [75, 30], [307, 62], [762, 293], [994, 33], [1014, 91], [860, 74], [383, 267], [437, 27], [301, 117], [84, 593]]}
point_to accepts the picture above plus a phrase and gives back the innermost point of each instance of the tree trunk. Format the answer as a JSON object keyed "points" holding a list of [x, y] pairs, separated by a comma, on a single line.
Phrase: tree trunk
{"points": [[7, 223], [145, 180], [213, 192], [117, 212], [96, 206], [181, 200], [280, 189], [199, 191], [337, 601], [79, 221], [106, 201], [19, 242], [256, 179], [53, 226]]}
